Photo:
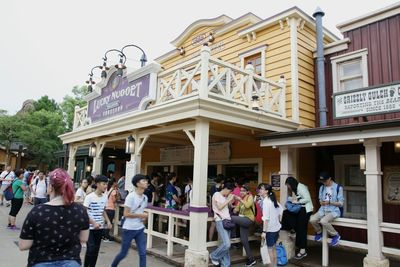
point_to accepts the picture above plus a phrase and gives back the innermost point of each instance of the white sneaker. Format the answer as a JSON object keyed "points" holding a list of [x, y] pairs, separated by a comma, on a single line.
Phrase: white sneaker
{"points": [[214, 261]]}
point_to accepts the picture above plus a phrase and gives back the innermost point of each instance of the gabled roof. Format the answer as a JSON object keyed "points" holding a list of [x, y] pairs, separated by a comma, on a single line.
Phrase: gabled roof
{"points": [[294, 11], [218, 21], [369, 18]]}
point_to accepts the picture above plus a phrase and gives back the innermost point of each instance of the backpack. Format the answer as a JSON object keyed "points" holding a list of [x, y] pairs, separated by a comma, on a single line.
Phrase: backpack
{"points": [[29, 180], [9, 193], [337, 193], [37, 181], [281, 256], [257, 213]]}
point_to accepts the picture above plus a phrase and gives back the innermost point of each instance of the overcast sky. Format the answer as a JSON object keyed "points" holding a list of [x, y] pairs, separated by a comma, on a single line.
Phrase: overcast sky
{"points": [[49, 46]]}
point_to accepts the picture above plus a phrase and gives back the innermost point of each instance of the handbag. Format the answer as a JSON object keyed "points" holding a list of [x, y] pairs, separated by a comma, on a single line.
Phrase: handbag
{"points": [[227, 224], [292, 207], [264, 252]]}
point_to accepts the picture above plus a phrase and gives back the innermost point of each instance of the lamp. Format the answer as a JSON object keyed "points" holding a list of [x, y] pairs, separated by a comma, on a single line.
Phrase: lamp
{"points": [[397, 147], [254, 103], [92, 150], [121, 65], [143, 58], [181, 51], [88, 168], [362, 160], [211, 37], [90, 82], [130, 145]]}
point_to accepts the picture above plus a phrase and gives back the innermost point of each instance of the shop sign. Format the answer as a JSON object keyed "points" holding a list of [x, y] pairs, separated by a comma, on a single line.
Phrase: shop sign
{"points": [[367, 101], [119, 96], [276, 181]]}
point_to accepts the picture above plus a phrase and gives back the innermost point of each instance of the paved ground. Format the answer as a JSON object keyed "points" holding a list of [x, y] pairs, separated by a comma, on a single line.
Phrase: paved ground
{"points": [[10, 255]]}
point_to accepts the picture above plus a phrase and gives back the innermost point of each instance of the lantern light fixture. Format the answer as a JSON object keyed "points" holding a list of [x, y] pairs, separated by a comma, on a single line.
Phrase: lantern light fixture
{"points": [[92, 150], [397, 147], [362, 161], [254, 103], [130, 145]]}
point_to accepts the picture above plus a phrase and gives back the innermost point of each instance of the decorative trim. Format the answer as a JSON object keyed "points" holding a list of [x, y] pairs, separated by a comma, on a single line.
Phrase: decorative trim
{"points": [[369, 18], [337, 60], [294, 69], [199, 209], [223, 19], [294, 11], [334, 47], [247, 18]]}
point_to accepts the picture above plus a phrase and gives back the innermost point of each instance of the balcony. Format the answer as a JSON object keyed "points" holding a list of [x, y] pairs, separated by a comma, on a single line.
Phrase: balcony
{"points": [[208, 78]]}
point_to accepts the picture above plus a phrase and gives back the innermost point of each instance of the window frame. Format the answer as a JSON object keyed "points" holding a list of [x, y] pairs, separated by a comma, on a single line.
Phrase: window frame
{"points": [[340, 172], [337, 61], [253, 52]]}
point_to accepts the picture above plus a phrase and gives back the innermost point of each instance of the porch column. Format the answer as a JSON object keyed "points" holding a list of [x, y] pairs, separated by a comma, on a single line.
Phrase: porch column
{"points": [[288, 168], [197, 255], [373, 177], [98, 159], [71, 160]]}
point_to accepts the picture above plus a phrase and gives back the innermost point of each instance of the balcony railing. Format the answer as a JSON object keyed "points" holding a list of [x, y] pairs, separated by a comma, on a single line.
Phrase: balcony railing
{"points": [[207, 77]]}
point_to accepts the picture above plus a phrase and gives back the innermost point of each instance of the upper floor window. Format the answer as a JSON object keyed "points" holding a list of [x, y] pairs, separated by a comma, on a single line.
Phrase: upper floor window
{"points": [[350, 71], [255, 57]]}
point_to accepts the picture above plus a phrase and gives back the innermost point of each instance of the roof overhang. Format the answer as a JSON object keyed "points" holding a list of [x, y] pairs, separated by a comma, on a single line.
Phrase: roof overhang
{"points": [[189, 108], [369, 18], [335, 135], [292, 12]]}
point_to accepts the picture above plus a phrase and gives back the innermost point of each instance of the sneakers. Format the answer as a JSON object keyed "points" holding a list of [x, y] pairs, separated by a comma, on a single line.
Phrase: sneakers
{"points": [[214, 262], [318, 237], [250, 262], [1, 203], [13, 227], [8, 204], [106, 240], [299, 256], [335, 240]]}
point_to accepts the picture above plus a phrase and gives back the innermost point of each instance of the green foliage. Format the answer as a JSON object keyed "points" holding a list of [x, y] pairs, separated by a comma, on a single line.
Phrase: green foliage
{"points": [[44, 103], [70, 102]]}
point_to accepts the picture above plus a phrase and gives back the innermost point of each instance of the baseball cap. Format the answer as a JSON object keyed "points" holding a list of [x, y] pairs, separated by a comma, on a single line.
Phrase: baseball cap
{"points": [[323, 176]]}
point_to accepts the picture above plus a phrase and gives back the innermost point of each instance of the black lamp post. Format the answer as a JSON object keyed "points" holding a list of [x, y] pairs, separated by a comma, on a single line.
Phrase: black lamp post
{"points": [[120, 66], [90, 82], [143, 59]]}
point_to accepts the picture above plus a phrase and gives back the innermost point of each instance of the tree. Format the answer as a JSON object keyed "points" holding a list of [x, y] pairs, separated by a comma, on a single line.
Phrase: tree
{"points": [[70, 102], [44, 103], [9, 132]]}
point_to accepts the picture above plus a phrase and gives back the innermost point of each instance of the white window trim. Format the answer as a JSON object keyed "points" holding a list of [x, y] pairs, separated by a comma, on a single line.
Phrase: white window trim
{"points": [[340, 161], [336, 61], [262, 50]]}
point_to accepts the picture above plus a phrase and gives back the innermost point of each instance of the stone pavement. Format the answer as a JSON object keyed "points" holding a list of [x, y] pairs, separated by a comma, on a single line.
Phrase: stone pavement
{"points": [[10, 255]]}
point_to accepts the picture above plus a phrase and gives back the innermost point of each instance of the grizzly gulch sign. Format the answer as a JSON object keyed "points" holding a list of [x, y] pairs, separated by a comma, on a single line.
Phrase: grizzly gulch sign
{"points": [[119, 96], [367, 101]]}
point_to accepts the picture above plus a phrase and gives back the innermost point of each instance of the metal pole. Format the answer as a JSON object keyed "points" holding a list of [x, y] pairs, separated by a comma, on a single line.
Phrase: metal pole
{"points": [[19, 157]]}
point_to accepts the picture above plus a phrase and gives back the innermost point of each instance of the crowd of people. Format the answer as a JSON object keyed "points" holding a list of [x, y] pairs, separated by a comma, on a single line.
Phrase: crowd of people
{"points": [[63, 220]]}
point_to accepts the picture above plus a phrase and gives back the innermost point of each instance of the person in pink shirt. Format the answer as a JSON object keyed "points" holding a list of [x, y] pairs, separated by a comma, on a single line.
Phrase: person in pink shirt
{"points": [[112, 198]]}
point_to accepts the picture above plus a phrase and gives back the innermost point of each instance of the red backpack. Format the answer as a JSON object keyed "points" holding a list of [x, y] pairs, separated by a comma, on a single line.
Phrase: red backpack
{"points": [[258, 213]]}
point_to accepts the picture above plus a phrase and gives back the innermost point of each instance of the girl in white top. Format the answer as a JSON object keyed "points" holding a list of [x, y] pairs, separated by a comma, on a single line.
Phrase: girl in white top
{"points": [[81, 192], [272, 212]]}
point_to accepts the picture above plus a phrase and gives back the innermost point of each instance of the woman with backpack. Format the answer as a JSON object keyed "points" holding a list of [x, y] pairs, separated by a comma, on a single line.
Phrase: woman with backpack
{"points": [[272, 212], [245, 218], [112, 198], [18, 189], [299, 195]]}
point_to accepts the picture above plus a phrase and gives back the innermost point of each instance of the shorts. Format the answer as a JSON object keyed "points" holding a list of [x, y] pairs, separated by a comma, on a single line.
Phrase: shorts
{"points": [[271, 238], [16, 204]]}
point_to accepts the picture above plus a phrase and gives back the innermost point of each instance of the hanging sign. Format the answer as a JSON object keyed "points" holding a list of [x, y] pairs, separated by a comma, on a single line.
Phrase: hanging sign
{"points": [[367, 101]]}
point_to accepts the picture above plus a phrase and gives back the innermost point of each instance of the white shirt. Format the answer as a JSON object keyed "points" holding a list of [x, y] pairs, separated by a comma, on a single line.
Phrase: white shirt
{"points": [[40, 187], [220, 214], [271, 214], [95, 207], [81, 194], [137, 204], [9, 177]]}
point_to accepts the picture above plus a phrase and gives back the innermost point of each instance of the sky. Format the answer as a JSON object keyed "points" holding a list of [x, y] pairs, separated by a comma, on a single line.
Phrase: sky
{"points": [[49, 46]]}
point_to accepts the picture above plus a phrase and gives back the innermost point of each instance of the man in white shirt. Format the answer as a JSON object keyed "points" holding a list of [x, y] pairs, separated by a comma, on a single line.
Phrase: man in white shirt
{"points": [[6, 178], [133, 226], [39, 188], [95, 203]]}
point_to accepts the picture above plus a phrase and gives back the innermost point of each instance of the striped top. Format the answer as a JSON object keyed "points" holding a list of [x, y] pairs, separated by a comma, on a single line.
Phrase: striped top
{"points": [[95, 206]]}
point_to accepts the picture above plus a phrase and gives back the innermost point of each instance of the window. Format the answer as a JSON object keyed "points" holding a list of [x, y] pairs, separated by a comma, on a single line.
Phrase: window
{"points": [[350, 71], [349, 175], [256, 57]]}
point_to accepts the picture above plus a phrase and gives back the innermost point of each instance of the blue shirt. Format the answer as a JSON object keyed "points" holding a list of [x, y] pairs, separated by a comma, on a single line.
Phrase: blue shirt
{"points": [[334, 196], [171, 191]]}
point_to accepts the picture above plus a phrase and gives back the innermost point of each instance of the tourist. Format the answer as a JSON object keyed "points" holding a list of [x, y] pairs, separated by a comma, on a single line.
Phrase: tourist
{"points": [[171, 195], [112, 198], [6, 177], [81, 191], [57, 243], [39, 189], [18, 189]]}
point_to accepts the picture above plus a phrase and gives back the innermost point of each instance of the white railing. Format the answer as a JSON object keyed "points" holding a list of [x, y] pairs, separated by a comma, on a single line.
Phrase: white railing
{"points": [[80, 117], [358, 224], [209, 77]]}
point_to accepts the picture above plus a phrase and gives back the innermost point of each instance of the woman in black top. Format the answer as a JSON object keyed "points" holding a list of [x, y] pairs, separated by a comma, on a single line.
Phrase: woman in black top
{"points": [[53, 232]]}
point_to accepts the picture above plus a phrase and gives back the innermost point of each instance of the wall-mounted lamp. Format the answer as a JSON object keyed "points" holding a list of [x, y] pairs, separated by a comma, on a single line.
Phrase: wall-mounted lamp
{"points": [[181, 51], [88, 168], [92, 150], [90, 82], [254, 103], [74, 168], [130, 145], [211, 37], [362, 160], [397, 147]]}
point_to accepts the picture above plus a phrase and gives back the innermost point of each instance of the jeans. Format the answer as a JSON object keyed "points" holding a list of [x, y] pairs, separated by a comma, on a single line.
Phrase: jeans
{"points": [[62, 263], [141, 241], [93, 247], [37, 201], [221, 254], [111, 215], [244, 224]]}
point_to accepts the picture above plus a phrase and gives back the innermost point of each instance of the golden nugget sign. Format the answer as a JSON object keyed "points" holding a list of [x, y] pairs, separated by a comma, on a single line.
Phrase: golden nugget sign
{"points": [[367, 101]]}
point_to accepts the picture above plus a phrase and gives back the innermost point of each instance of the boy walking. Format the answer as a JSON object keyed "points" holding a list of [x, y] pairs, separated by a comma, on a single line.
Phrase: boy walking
{"points": [[133, 227], [95, 204]]}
